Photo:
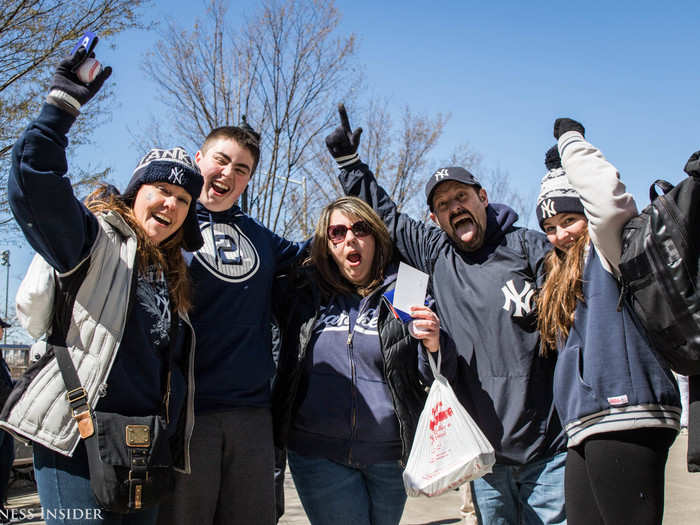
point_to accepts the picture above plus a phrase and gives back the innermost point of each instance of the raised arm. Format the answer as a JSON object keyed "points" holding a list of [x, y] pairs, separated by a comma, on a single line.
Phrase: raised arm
{"points": [[415, 242], [607, 204], [56, 224]]}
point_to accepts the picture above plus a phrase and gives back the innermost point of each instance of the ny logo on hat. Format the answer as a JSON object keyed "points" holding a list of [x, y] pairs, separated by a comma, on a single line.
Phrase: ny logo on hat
{"points": [[548, 209], [441, 174], [176, 176]]}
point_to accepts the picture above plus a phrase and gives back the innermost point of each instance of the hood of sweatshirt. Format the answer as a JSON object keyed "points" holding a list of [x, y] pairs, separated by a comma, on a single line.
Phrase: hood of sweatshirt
{"points": [[499, 221]]}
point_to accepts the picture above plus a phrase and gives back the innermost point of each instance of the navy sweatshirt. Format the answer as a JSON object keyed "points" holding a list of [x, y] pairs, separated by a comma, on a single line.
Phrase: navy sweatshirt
{"points": [[485, 302], [62, 230], [232, 276], [365, 415], [346, 410]]}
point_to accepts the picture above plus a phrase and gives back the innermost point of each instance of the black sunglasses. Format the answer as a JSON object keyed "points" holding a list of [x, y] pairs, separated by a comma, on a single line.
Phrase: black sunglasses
{"points": [[337, 232]]}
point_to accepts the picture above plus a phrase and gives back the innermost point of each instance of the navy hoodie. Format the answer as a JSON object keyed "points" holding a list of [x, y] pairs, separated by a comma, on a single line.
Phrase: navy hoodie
{"points": [[485, 301], [232, 276], [343, 407]]}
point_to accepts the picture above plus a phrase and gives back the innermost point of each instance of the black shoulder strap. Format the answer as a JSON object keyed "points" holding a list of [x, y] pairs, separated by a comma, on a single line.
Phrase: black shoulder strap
{"points": [[75, 393]]}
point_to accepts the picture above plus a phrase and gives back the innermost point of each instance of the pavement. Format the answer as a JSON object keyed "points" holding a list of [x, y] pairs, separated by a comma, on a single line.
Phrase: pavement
{"points": [[682, 506]]}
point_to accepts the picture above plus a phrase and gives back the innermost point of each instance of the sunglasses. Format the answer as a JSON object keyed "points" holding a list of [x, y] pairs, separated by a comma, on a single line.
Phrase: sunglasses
{"points": [[337, 232]]}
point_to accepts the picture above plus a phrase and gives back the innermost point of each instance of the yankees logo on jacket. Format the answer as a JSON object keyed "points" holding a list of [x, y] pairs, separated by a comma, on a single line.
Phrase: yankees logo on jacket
{"points": [[485, 301]]}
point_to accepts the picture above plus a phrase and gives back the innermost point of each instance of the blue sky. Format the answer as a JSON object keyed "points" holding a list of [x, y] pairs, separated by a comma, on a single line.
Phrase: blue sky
{"points": [[504, 70]]}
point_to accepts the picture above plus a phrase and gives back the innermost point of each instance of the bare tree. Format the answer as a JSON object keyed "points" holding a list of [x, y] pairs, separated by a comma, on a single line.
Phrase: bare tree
{"points": [[499, 189], [34, 36], [284, 69]]}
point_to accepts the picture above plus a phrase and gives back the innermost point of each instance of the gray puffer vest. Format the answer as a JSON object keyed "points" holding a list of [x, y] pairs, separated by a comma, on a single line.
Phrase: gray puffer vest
{"points": [[37, 408]]}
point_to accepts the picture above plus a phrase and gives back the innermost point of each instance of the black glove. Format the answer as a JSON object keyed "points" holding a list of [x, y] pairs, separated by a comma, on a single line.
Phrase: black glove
{"points": [[66, 82], [562, 125], [692, 167], [343, 142], [552, 159]]}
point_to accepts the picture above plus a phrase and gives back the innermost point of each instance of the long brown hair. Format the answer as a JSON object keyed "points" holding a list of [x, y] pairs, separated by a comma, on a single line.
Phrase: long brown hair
{"points": [[167, 256], [563, 288], [331, 280]]}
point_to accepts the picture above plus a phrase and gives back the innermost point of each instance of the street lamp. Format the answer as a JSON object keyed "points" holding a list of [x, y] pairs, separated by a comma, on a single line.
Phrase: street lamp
{"points": [[5, 261]]}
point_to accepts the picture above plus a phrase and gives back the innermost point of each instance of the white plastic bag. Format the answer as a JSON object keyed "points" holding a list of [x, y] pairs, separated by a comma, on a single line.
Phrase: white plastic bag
{"points": [[35, 297], [449, 448]]}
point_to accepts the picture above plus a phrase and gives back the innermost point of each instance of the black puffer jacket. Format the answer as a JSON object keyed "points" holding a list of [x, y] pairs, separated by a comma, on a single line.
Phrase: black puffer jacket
{"points": [[297, 313]]}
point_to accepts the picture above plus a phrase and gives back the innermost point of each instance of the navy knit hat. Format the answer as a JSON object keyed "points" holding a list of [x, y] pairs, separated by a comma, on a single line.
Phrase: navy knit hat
{"points": [[173, 166], [556, 194], [443, 175]]}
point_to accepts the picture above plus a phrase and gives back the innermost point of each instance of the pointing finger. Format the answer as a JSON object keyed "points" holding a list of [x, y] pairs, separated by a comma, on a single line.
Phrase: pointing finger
{"points": [[344, 117]]}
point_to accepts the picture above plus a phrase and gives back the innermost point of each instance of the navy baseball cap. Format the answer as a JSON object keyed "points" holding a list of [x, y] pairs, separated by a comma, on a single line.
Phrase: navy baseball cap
{"points": [[456, 173]]}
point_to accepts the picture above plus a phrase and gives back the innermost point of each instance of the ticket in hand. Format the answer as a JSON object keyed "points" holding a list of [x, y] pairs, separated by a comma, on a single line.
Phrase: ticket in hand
{"points": [[410, 290]]}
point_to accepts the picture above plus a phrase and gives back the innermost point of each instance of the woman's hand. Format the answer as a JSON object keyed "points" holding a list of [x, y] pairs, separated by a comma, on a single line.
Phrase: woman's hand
{"points": [[425, 326]]}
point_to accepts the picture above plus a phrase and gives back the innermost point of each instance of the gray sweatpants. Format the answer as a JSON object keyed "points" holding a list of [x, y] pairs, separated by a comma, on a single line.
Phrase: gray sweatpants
{"points": [[231, 483]]}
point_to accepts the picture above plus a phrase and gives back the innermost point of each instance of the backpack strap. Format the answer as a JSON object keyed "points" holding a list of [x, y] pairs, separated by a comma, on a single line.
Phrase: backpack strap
{"points": [[663, 184]]}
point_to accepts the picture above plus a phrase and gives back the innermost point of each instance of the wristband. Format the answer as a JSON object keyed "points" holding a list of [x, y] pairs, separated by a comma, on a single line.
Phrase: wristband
{"points": [[64, 101], [346, 160]]}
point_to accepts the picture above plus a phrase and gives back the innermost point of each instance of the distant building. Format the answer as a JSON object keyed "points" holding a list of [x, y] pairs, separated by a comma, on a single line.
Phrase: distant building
{"points": [[17, 358]]}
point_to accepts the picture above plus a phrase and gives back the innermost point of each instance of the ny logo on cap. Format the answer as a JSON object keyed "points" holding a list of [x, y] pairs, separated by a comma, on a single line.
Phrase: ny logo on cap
{"points": [[548, 209], [176, 176], [441, 174]]}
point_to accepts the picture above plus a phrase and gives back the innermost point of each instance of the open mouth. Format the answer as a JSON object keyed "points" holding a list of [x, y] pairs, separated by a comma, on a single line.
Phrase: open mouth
{"points": [[354, 258], [162, 219], [220, 188], [462, 220]]}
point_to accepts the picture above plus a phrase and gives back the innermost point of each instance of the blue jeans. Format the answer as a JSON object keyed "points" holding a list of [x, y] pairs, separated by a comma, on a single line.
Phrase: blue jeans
{"points": [[531, 494], [335, 494], [66, 496]]}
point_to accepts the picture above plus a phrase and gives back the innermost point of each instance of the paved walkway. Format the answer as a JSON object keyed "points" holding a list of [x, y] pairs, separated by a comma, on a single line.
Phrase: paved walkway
{"points": [[682, 499], [682, 506]]}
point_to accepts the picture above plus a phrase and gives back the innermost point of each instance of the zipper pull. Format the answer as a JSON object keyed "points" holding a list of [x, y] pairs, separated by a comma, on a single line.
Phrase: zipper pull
{"points": [[350, 339], [166, 399]]}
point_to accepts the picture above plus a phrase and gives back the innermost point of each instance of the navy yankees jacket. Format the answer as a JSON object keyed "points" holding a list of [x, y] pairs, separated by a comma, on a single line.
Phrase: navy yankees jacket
{"points": [[485, 303], [232, 277], [608, 377]]}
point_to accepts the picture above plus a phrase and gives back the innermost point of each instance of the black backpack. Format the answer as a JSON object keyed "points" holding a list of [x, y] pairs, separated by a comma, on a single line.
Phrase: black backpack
{"points": [[659, 269]]}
